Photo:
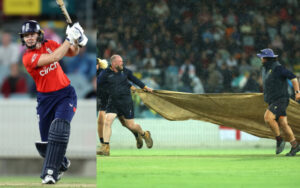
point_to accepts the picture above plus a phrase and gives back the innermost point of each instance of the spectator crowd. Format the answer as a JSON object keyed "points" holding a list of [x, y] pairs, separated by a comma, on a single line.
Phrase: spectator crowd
{"points": [[199, 46]]}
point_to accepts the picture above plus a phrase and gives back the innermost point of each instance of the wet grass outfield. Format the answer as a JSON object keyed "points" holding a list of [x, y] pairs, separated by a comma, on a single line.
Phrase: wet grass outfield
{"points": [[197, 168]]}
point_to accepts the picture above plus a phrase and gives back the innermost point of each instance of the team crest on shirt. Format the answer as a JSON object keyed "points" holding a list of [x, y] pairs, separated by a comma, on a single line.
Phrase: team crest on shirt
{"points": [[33, 58]]}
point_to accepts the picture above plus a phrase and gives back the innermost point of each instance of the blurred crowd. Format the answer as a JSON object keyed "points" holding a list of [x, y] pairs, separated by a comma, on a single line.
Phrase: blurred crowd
{"points": [[200, 46], [15, 82]]}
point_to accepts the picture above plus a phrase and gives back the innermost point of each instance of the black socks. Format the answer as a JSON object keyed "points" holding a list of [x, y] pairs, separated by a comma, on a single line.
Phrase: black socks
{"points": [[279, 138]]}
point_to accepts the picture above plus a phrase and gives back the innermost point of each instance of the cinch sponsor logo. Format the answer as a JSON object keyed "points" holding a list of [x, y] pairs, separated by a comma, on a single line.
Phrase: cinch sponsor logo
{"points": [[46, 70]]}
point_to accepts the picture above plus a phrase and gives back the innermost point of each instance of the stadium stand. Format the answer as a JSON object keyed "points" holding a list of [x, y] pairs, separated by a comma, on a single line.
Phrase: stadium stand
{"points": [[218, 40]]}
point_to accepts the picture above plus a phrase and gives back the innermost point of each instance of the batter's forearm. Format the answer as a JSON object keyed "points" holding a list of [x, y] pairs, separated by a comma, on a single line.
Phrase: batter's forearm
{"points": [[57, 55], [73, 50], [60, 52]]}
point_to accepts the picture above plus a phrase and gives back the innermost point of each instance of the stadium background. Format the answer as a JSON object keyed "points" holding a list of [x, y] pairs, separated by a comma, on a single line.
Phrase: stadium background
{"points": [[199, 47], [19, 125]]}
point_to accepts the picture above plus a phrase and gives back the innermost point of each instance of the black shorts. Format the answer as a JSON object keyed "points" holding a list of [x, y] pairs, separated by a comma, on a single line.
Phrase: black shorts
{"points": [[279, 107], [122, 106], [102, 100]]}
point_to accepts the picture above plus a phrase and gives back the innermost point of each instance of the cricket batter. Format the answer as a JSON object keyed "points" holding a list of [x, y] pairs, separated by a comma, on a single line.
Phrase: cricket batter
{"points": [[275, 85], [56, 98], [114, 80]]}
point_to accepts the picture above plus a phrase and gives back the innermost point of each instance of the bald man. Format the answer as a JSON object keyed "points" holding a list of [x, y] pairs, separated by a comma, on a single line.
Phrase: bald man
{"points": [[114, 80]]}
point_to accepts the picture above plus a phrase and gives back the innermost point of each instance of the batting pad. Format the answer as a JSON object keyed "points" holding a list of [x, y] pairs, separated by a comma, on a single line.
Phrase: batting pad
{"points": [[56, 149], [41, 147]]}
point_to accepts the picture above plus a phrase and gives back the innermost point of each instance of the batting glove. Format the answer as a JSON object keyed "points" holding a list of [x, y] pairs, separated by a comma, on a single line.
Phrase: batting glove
{"points": [[73, 34], [68, 38], [82, 40], [78, 26]]}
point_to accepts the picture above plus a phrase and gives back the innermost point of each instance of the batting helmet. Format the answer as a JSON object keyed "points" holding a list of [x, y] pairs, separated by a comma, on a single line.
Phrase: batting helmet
{"points": [[31, 26]]}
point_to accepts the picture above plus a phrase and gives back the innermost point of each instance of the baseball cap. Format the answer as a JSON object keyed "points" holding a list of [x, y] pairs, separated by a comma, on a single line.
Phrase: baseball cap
{"points": [[266, 53]]}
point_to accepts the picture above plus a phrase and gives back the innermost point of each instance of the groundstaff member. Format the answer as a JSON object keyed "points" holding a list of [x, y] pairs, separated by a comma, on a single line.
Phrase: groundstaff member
{"points": [[102, 100], [114, 80], [276, 95], [56, 98]]}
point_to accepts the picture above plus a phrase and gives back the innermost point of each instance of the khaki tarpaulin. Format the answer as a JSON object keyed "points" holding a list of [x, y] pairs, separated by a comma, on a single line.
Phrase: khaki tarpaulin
{"points": [[244, 111]]}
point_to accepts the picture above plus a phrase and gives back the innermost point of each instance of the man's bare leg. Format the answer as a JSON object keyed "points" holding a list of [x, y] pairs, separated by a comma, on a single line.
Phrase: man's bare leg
{"points": [[101, 119], [290, 136], [283, 123], [138, 137], [100, 122], [109, 118], [137, 128], [270, 119]]}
